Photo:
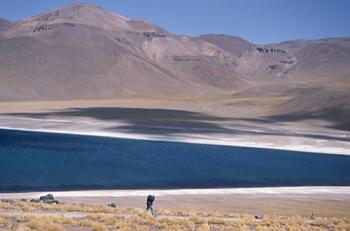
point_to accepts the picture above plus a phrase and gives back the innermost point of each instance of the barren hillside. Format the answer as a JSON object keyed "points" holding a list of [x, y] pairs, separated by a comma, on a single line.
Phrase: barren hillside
{"points": [[82, 51]]}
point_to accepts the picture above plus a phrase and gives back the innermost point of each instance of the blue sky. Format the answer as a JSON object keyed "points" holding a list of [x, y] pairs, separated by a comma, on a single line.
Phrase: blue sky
{"points": [[259, 21]]}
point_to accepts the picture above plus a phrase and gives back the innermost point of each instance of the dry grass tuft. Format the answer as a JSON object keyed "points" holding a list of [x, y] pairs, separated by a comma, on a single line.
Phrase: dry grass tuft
{"points": [[40, 217], [4, 221], [43, 224], [99, 227], [204, 227]]}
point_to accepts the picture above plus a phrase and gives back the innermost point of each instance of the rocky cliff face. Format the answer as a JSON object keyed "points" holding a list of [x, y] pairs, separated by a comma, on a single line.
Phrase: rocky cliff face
{"points": [[266, 63]]}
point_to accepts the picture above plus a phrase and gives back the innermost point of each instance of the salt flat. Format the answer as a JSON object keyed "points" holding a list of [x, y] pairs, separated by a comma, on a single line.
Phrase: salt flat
{"points": [[191, 121]]}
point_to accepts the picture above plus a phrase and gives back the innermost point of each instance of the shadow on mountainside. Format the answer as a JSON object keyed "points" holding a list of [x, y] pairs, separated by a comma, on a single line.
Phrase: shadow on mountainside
{"points": [[143, 120], [339, 117], [172, 122]]}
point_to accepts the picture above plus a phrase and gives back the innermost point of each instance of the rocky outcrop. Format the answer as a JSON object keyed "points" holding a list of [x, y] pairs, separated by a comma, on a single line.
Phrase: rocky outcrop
{"points": [[186, 58], [112, 205], [46, 27], [151, 35], [266, 50], [272, 67], [266, 62], [287, 62], [48, 198]]}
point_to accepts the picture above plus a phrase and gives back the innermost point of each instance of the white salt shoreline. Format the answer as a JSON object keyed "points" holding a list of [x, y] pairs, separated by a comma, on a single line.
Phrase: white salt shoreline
{"points": [[328, 190], [205, 140]]}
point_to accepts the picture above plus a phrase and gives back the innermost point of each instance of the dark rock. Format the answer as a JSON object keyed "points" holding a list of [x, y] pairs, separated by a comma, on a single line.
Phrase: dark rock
{"points": [[186, 58], [51, 202], [312, 217], [272, 67], [49, 199], [269, 50], [8, 201], [287, 62], [112, 205], [35, 201], [45, 27], [151, 35]]}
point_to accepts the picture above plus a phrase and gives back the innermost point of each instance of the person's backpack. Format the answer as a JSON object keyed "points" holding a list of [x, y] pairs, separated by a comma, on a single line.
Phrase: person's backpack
{"points": [[150, 198]]}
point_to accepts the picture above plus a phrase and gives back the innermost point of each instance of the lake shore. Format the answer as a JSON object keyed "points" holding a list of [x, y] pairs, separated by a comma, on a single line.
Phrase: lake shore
{"points": [[323, 201], [195, 139], [311, 190], [204, 121]]}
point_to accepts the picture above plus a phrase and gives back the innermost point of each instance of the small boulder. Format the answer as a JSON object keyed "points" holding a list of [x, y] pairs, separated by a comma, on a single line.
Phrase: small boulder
{"points": [[259, 216], [49, 199], [35, 201], [8, 201], [312, 217], [112, 205]]}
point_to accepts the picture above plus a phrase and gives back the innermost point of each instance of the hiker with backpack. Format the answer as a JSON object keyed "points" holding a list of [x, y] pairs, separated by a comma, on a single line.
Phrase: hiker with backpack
{"points": [[149, 204]]}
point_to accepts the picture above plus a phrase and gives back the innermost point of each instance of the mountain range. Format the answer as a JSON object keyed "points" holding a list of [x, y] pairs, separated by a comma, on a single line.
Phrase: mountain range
{"points": [[82, 51]]}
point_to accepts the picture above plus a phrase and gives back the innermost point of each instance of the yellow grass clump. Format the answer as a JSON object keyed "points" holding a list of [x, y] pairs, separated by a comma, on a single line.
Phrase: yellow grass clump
{"points": [[43, 224], [40, 217]]}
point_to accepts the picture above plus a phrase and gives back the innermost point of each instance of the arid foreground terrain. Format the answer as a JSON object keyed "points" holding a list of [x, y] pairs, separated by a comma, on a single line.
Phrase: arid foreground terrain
{"points": [[25, 215]]}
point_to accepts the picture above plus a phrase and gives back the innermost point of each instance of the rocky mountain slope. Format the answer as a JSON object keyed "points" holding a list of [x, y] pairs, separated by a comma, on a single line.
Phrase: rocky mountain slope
{"points": [[233, 44], [82, 51], [4, 24]]}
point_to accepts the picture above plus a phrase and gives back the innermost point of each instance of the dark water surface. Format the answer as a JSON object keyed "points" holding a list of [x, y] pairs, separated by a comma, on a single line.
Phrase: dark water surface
{"points": [[46, 161]]}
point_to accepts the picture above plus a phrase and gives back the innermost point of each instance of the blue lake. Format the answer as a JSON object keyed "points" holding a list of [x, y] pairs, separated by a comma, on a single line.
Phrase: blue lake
{"points": [[46, 161]]}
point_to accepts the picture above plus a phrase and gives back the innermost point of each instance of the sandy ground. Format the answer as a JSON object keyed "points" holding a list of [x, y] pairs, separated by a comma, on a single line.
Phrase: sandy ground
{"points": [[323, 201]]}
